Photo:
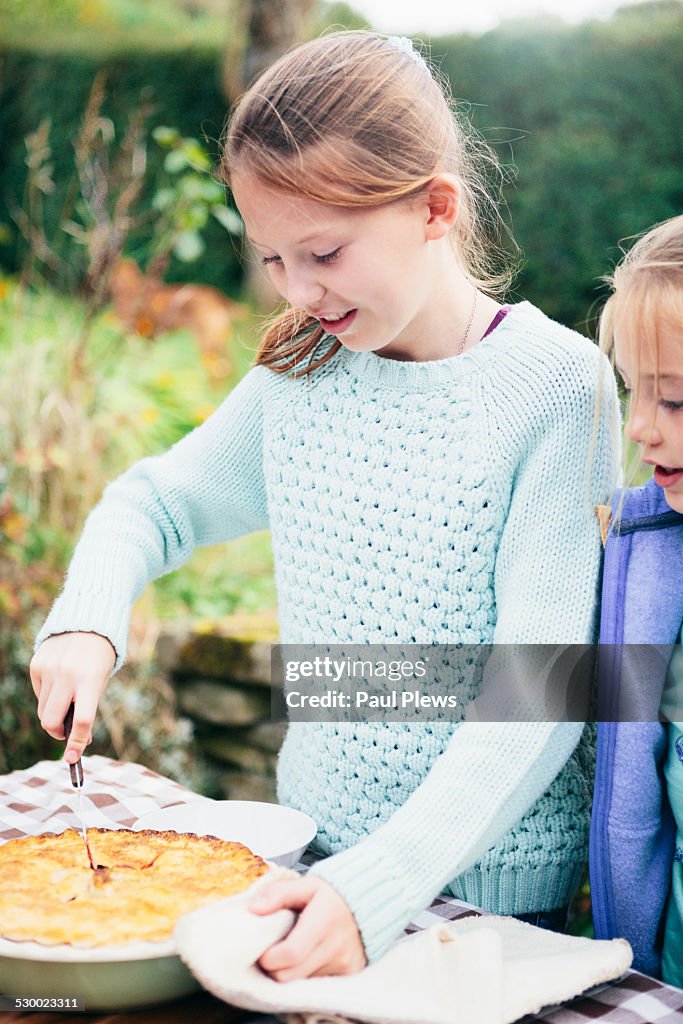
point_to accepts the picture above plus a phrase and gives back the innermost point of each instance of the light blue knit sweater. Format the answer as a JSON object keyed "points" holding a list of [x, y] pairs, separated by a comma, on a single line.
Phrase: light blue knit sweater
{"points": [[440, 502]]}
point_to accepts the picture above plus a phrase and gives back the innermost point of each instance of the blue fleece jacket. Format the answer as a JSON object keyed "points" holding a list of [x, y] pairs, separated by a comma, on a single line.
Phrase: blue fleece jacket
{"points": [[632, 830]]}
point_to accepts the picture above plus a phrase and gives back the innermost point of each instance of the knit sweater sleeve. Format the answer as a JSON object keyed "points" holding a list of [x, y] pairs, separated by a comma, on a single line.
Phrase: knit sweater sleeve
{"points": [[561, 464], [206, 489]]}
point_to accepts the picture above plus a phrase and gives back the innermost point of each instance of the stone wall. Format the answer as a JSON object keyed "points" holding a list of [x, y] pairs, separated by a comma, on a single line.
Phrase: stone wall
{"points": [[222, 677]]}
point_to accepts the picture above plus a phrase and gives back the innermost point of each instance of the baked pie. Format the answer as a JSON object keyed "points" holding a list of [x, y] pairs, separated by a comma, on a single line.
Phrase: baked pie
{"points": [[142, 882]]}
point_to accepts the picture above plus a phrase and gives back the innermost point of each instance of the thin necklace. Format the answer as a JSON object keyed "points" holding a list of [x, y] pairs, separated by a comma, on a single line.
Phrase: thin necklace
{"points": [[469, 324]]}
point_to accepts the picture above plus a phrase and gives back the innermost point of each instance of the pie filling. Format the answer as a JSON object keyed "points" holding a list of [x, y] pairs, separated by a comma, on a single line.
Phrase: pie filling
{"points": [[142, 883]]}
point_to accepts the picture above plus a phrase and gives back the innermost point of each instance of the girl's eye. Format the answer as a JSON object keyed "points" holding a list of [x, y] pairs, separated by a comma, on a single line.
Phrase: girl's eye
{"points": [[267, 260], [329, 257], [673, 406]]}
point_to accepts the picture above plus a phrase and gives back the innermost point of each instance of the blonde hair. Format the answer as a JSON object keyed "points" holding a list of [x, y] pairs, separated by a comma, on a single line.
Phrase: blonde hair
{"points": [[647, 293], [352, 119], [647, 286]]}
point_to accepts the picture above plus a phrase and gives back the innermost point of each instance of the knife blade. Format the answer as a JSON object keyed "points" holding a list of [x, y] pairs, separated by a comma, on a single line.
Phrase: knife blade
{"points": [[77, 781]]}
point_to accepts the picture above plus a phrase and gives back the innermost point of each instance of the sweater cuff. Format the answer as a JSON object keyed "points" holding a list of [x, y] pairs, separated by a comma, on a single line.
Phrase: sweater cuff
{"points": [[375, 892], [85, 611]]}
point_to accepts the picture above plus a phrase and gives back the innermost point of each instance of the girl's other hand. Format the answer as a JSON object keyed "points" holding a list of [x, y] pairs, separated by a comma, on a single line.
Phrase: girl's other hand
{"points": [[71, 668], [325, 938]]}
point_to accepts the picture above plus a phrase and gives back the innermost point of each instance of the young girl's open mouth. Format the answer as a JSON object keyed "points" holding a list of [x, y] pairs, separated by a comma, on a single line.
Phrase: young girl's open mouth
{"points": [[665, 477], [337, 326]]}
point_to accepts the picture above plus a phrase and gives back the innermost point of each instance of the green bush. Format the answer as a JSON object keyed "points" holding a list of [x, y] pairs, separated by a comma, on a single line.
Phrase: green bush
{"points": [[586, 113], [181, 89]]}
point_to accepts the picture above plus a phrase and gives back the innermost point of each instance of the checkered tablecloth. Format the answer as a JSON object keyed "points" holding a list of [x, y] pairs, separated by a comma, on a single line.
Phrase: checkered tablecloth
{"points": [[115, 795], [42, 799]]}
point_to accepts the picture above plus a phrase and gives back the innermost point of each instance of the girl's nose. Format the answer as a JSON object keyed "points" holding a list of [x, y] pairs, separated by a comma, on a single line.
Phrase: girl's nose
{"points": [[641, 425], [303, 289]]}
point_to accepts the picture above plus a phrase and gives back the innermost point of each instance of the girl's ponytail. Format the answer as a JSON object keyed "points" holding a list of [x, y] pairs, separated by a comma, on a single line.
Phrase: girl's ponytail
{"points": [[290, 343]]}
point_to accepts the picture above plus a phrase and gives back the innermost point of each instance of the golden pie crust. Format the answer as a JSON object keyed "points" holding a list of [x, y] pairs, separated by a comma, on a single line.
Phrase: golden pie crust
{"points": [[143, 882]]}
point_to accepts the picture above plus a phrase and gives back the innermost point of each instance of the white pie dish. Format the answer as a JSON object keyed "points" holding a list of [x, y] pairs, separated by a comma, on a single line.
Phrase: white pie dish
{"points": [[141, 974], [124, 977], [278, 834], [127, 976]]}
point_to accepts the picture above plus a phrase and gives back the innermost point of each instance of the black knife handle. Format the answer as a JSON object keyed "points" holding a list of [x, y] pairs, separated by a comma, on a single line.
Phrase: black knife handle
{"points": [[76, 769]]}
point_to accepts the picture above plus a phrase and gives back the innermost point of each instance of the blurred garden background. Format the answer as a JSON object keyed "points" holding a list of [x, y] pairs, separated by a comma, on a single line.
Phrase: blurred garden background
{"points": [[111, 113]]}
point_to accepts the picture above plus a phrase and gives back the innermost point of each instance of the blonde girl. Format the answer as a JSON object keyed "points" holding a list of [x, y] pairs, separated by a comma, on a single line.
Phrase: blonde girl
{"points": [[419, 451], [636, 855]]}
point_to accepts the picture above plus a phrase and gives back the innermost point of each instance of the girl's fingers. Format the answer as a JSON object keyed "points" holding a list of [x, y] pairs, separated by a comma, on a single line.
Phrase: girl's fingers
{"points": [[80, 733], [284, 895], [301, 951], [43, 695], [315, 964], [307, 953], [52, 708], [36, 679], [341, 963], [325, 960], [295, 951], [53, 713]]}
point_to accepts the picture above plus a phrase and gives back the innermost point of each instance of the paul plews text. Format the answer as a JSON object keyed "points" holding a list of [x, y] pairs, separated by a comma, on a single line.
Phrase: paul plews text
{"points": [[373, 701]]}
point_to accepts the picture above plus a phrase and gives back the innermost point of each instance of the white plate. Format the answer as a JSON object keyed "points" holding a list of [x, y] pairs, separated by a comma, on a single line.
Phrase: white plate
{"points": [[276, 833]]}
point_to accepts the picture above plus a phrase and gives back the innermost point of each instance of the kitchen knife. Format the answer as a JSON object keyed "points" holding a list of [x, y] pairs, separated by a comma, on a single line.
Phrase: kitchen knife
{"points": [[77, 780]]}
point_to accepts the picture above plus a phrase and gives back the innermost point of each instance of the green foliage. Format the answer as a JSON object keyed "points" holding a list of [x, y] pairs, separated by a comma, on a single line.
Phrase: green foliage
{"points": [[104, 203], [109, 26], [580, 917], [190, 197], [586, 114], [338, 14], [106, 27], [51, 95], [63, 435]]}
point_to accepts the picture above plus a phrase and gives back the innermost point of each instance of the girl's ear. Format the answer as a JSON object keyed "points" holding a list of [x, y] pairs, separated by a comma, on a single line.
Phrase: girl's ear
{"points": [[441, 196]]}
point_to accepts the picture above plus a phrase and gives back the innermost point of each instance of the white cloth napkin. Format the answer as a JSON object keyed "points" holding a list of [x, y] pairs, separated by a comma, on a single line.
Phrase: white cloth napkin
{"points": [[486, 970]]}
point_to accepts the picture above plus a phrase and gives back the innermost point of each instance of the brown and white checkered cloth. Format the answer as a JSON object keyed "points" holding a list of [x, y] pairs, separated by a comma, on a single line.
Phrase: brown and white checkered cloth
{"points": [[116, 794]]}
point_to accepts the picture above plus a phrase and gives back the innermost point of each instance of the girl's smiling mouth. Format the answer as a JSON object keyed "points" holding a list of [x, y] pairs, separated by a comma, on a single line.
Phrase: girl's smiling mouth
{"points": [[337, 326]]}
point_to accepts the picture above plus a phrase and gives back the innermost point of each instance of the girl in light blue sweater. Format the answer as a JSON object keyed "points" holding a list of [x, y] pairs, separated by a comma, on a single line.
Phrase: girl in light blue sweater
{"points": [[427, 462]]}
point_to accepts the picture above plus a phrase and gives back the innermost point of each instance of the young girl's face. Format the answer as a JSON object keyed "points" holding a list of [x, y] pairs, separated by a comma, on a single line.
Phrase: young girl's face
{"points": [[369, 275], [653, 373]]}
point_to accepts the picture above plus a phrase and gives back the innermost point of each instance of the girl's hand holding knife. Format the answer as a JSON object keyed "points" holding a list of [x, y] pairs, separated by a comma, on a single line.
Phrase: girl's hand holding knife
{"points": [[71, 668]]}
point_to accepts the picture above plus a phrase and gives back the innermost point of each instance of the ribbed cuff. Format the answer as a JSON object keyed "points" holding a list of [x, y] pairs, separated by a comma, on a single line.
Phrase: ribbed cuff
{"points": [[375, 894], [88, 612]]}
